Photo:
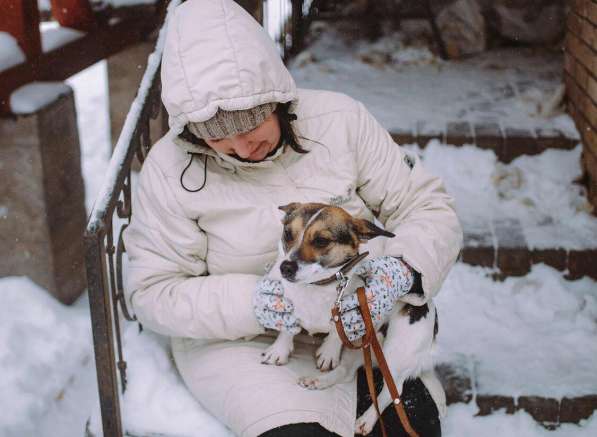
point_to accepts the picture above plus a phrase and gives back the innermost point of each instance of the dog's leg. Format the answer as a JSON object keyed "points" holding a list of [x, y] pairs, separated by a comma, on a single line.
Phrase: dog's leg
{"points": [[280, 350], [407, 349], [364, 424], [351, 360], [328, 354], [436, 390]]}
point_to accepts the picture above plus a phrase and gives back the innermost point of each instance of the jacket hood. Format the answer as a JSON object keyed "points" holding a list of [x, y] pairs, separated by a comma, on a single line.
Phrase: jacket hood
{"points": [[217, 56]]}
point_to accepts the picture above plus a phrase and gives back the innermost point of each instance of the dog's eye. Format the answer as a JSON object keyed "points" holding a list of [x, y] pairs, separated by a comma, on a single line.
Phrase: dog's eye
{"points": [[344, 238], [287, 235], [320, 242]]}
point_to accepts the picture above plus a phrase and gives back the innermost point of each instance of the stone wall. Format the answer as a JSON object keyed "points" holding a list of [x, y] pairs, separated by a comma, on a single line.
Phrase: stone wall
{"points": [[581, 83]]}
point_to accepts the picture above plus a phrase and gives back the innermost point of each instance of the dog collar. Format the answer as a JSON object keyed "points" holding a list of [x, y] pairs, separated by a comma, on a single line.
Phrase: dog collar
{"points": [[343, 270]]}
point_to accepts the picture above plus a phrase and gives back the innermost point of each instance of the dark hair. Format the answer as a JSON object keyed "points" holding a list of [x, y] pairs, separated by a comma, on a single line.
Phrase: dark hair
{"points": [[287, 135], [287, 132]]}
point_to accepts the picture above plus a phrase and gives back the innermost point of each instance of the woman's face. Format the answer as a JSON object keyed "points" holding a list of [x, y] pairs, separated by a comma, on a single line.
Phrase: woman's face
{"points": [[254, 145]]}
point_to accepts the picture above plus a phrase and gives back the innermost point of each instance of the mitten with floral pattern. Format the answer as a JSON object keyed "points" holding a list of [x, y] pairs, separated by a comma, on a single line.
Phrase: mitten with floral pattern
{"points": [[272, 309], [386, 279]]}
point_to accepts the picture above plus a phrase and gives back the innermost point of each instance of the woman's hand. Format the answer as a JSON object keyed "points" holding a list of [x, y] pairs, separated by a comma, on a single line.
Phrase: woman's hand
{"points": [[386, 279], [272, 309]]}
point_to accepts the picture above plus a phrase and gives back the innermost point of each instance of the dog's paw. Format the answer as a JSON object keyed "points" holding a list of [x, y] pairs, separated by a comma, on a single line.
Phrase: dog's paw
{"points": [[364, 424], [310, 382], [317, 382], [328, 356], [275, 355]]}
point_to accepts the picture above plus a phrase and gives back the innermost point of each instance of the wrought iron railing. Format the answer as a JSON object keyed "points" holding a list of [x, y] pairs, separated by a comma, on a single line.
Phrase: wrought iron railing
{"points": [[104, 254]]}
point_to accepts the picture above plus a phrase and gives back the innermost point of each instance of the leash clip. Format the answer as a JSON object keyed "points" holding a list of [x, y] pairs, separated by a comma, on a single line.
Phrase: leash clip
{"points": [[340, 287]]}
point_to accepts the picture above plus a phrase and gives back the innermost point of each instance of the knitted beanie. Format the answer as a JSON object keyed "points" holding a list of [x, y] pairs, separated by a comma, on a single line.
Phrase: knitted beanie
{"points": [[229, 123]]}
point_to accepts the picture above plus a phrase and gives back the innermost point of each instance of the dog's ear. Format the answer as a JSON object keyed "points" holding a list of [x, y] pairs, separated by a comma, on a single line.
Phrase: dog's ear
{"points": [[290, 208], [367, 230]]}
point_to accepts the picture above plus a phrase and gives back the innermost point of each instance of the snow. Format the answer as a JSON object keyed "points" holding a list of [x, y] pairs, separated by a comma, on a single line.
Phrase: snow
{"points": [[10, 52], [156, 400], [521, 333], [29, 98], [539, 191], [407, 88], [42, 345], [54, 36], [51, 385], [36, 335], [525, 336], [93, 119]]}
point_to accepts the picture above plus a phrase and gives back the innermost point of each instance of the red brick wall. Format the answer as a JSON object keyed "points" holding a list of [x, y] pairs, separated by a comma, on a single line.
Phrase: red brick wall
{"points": [[581, 82]]}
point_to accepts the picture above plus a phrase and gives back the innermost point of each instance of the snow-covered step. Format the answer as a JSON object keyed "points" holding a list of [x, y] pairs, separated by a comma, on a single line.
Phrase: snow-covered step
{"points": [[458, 382], [519, 214], [497, 99], [508, 143], [521, 344], [502, 246]]}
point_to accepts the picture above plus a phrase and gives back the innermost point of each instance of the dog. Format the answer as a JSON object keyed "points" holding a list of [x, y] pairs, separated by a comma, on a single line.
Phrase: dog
{"points": [[317, 240]]}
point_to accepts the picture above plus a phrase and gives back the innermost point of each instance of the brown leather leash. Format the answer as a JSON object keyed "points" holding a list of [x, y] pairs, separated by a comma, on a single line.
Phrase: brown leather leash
{"points": [[368, 342]]}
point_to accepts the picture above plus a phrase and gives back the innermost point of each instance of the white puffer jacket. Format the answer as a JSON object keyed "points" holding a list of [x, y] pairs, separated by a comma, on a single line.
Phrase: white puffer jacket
{"points": [[195, 257]]}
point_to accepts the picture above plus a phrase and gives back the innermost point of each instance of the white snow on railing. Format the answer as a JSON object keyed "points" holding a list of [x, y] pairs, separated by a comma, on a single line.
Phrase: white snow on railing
{"points": [[35, 95], [44, 5], [130, 122], [54, 36], [10, 52]]}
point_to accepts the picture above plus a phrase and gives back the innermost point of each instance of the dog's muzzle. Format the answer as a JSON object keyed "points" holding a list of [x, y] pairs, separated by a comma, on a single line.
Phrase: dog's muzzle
{"points": [[288, 270]]}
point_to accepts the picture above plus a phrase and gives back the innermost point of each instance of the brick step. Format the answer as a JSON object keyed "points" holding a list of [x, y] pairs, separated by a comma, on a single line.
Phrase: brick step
{"points": [[459, 383], [507, 143], [502, 245]]}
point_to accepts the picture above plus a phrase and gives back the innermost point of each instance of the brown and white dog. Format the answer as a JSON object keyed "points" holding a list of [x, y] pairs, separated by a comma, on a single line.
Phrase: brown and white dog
{"points": [[317, 241]]}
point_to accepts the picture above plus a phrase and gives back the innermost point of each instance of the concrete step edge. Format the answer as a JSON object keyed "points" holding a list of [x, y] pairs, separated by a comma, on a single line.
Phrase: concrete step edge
{"points": [[507, 144], [501, 245], [549, 412]]}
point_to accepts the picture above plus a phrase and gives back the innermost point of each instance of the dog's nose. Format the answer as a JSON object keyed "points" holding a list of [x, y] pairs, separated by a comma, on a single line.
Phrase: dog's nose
{"points": [[288, 269]]}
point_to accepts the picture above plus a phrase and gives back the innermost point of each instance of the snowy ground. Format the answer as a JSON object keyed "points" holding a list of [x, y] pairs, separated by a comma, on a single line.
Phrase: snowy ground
{"points": [[49, 387], [52, 389], [46, 358], [408, 88], [537, 191], [522, 332]]}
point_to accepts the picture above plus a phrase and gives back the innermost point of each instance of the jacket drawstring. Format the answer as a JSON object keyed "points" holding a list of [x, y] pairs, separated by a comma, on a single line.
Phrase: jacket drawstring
{"points": [[187, 167]]}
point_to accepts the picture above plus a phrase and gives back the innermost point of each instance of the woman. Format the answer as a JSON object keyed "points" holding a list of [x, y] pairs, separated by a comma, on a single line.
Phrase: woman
{"points": [[243, 141]]}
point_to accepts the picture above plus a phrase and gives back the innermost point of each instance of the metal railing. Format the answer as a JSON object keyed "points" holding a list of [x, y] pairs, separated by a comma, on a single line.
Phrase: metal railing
{"points": [[104, 253], [103, 258]]}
